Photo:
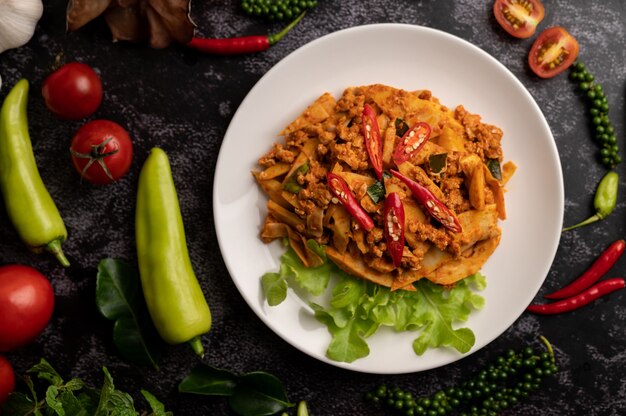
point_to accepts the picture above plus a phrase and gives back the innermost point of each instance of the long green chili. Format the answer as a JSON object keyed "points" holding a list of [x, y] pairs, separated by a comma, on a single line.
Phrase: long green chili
{"points": [[29, 205], [173, 295], [604, 201]]}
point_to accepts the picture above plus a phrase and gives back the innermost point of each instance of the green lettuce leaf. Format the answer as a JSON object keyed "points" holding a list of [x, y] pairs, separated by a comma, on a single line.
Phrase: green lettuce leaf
{"points": [[357, 308]]}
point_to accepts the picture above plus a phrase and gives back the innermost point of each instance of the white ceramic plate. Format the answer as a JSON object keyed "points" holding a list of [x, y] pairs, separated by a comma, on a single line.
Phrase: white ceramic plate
{"points": [[409, 57]]}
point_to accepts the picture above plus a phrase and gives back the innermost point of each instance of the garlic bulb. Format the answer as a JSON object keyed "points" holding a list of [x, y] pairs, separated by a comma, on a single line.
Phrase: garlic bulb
{"points": [[18, 19]]}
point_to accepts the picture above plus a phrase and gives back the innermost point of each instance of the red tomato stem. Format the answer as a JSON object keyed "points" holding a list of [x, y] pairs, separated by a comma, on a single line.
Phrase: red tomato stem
{"points": [[599, 267], [578, 301]]}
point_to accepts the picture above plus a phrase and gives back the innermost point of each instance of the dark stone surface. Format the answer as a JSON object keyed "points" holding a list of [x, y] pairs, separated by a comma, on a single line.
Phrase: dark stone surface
{"points": [[184, 102]]}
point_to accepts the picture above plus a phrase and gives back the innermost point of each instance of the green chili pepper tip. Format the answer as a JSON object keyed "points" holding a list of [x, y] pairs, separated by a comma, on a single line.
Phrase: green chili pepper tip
{"points": [[196, 346], [54, 247]]}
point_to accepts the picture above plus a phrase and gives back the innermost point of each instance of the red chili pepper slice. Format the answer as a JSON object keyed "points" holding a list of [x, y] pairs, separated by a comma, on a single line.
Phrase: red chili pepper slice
{"points": [[577, 301], [433, 205], [411, 142], [393, 215], [373, 143], [241, 44], [599, 267], [340, 189]]}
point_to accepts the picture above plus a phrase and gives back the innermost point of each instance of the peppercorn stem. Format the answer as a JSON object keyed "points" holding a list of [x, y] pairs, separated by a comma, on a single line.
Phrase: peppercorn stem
{"points": [[196, 346], [54, 247], [548, 346], [274, 38]]}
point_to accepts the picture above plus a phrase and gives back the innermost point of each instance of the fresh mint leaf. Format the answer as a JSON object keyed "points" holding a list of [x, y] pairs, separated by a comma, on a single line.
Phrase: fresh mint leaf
{"points": [[105, 394], [274, 288], [43, 370], [158, 409], [120, 299], [114, 402], [74, 398], [52, 394]]}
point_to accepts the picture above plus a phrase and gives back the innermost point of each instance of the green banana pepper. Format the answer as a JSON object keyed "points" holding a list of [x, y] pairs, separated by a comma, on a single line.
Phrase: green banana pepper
{"points": [[173, 295], [29, 205], [604, 200]]}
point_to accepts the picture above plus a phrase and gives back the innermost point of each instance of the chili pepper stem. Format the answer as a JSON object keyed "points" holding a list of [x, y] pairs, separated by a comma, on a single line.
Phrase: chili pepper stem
{"points": [[54, 247], [588, 221], [276, 37], [196, 346]]}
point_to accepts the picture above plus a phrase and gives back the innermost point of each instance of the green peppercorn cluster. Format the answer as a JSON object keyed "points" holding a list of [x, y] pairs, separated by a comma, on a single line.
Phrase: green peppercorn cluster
{"points": [[277, 9], [499, 386], [599, 112]]}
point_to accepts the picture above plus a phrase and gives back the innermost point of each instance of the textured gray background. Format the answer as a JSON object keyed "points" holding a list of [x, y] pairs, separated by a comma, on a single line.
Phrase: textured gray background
{"points": [[183, 102]]}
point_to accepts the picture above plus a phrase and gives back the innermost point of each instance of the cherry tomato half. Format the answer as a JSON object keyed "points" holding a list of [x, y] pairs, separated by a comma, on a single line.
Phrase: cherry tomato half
{"points": [[73, 91], [553, 52], [26, 304], [7, 379], [101, 151], [519, 17]]}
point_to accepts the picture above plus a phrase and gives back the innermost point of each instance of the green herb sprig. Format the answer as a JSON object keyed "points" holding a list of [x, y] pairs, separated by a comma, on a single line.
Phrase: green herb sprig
{"points": [[75, 397], [598, 108]]}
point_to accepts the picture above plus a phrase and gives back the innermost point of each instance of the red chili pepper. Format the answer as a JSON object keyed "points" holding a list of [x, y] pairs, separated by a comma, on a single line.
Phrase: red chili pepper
{"points": [[394, 227], [599, 267], [240, 45], [412, 142], [373, 143], [340, 189], [577, 301], [434, 206]]}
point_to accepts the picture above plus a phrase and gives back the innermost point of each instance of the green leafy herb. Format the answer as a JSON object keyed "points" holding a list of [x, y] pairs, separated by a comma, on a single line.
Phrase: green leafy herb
{"points": [[75, 397], [401, 127], [251, 394], [120, 299], [377, 191], [437, 162], [357, 308], [291, 183], [494, 167]]}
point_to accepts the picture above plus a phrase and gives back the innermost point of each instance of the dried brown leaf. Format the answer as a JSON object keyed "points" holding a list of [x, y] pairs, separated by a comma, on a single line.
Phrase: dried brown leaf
{"points": [[160, 22], [81, 12]]}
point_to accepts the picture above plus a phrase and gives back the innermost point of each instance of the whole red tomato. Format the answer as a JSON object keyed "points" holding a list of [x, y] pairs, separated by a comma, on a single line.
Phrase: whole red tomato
{"points": [[7, 379], [101, 151], [26, 304], [73, 91]]}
